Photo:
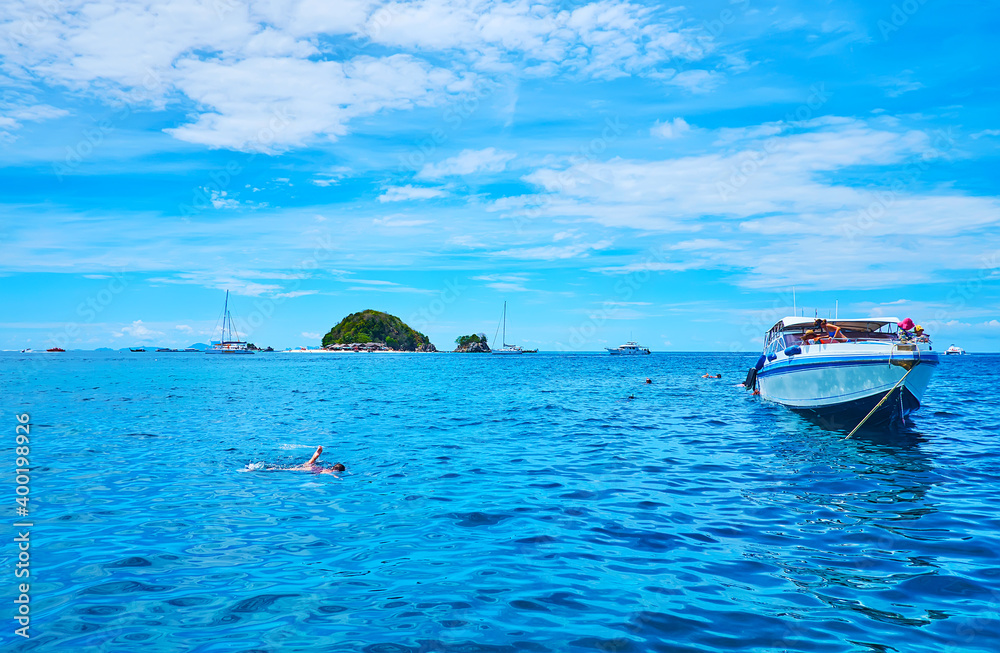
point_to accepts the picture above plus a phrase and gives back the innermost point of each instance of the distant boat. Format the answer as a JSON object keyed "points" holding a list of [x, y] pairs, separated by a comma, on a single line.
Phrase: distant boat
{"points": [[506, 349], [954, 350], [228, 344], [29, 350], [630, 348], [192, 349], [136, 349], [55, 349]]}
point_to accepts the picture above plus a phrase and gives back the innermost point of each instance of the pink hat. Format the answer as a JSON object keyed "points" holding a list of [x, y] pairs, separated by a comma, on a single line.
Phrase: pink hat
{"points": [[906, 324]]}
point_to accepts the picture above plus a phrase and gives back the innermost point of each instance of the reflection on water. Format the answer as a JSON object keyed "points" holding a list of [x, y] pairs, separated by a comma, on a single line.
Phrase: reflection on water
{"points": [[499, 505]]}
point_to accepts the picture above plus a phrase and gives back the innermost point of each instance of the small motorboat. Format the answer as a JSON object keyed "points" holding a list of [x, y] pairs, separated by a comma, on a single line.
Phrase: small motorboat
{"points": [[136, 349], [954, 350], [630, 348], [55, 349], [851, 371]]}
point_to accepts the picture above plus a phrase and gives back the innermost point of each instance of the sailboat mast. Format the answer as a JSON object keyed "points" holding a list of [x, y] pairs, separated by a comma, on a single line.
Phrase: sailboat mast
{"points": [[505, 324], [225, 317]]}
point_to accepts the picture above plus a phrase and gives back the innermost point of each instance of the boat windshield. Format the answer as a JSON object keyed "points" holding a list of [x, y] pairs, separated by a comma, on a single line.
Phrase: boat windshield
{"points": [[790, 332]]}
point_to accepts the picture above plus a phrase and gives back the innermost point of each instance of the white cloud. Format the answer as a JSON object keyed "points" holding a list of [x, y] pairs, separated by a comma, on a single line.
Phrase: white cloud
{"points": [[332, 176], [670, 129], [505, 282], [704, 243], [399, 222], [268, 75], [237, 285], [986, 132], [311, 335], [900, 84], [600, 39], [410, 192], [220, 200], [374, 282], [766, 190], [17, 109], [647, 266], [696, 81], [391, 288], [183, 328], [555, 252], [268, 117], [137, 330], [295, 293], [468, 162]]}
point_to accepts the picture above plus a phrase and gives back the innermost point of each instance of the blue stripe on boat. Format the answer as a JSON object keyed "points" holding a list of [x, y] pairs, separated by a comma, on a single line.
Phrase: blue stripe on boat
{"points": [[793, 365]]}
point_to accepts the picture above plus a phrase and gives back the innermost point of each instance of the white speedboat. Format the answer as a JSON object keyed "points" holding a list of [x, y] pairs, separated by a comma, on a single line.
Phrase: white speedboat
{"points": [[505, 349], [840, 380], [954, 350], [228, 344], [630, 348]]}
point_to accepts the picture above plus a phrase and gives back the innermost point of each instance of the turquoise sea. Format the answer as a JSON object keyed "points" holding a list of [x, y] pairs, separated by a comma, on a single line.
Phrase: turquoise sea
{"points": [[492, 504]]}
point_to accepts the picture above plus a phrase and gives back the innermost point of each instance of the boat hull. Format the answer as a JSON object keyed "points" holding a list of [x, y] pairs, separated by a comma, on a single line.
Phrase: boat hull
{"points": [[838, 384], [891, 412], [228, 352]]}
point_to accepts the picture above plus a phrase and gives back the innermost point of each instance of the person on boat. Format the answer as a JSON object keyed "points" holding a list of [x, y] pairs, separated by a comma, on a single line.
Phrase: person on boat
{"points": [[831, 329], [809, 336], [918, 331], [310, 465]]}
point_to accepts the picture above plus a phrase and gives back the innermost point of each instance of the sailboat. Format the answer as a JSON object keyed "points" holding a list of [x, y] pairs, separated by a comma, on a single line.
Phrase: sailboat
{"points": [[228, 344], [506, 349]]}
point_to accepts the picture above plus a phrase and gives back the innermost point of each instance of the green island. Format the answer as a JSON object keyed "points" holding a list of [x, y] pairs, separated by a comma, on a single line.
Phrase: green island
{"points": [[474, 344], [376, 328]]}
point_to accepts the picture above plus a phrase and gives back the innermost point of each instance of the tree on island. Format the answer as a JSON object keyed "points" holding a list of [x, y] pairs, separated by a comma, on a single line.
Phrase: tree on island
{"points": [[463, 341], [476, 343], [376, 326]]}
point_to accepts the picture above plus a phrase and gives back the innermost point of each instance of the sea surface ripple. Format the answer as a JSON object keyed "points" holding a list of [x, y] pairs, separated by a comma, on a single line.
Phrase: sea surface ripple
{"points": [[547, 502]]}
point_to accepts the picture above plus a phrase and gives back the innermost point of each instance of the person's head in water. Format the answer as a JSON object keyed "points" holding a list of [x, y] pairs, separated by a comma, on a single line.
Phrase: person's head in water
{"points": [[649, 380], [718, 376], [339, 467]]}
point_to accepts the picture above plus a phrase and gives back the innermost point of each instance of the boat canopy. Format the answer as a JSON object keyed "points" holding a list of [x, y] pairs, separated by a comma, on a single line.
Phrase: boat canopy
{"points": [[853, 324]]}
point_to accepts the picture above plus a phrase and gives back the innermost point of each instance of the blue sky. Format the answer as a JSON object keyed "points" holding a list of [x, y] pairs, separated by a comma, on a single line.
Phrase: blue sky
{"points": [[662, 171]]}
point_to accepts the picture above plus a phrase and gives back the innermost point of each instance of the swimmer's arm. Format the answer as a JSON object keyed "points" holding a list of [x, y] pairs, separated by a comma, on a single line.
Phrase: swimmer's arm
{"points": [[315, 456]]}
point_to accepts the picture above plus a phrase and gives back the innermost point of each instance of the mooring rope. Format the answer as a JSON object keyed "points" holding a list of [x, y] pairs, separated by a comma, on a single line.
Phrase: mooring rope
{"points": [[887, 395]]}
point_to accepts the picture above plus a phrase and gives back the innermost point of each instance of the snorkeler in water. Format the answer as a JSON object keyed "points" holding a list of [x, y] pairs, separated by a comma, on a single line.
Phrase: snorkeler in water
{"points": [[310, 465]]}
